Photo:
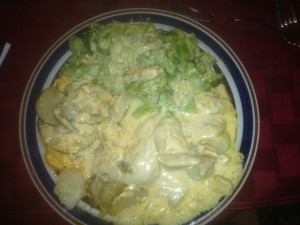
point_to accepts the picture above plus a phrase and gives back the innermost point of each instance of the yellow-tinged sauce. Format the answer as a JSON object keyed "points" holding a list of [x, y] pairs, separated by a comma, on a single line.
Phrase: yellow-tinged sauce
{"points": [[163, 167], [157, 155]]}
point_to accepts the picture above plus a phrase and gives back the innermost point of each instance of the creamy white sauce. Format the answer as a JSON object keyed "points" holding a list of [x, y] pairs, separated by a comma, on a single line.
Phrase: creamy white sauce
{"points": [[163, 167], [184, 163]]}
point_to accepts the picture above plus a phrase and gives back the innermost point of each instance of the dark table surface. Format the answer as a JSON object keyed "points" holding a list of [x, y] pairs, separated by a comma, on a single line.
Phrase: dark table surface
{"points": [[248, 26]]}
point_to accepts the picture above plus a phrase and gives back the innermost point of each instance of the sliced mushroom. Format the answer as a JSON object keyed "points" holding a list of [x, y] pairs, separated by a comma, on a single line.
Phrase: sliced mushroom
{"points": [[131, 195], [218, 144], [168, 136], [85, 103], [62, 140], [204, 169], [200, 126], [143, 167], [46, 103], [93, 187], [212, 103], [108, 192], [171, 185]]}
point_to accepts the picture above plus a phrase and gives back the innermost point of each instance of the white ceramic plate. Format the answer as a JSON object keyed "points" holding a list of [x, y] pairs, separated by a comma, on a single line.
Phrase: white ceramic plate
{"points": [[235, 74]]}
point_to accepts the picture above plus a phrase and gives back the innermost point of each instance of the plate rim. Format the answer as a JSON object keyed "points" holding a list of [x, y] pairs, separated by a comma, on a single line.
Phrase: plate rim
{"points": [[24, 104]]}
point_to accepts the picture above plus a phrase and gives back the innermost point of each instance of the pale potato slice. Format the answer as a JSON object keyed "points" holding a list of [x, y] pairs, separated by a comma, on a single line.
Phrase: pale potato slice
{"points": [[46, 104], [63, 140], [69, 187]]}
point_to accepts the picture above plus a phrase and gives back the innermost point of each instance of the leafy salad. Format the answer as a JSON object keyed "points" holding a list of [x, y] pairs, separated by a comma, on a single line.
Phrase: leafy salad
{"points": [[104, 52]]}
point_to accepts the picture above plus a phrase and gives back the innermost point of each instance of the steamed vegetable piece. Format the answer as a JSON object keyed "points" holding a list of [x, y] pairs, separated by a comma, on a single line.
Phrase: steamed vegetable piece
{"points": [[62, 140], [139, 126], [108, 193], [46, 104], [69, 187]]}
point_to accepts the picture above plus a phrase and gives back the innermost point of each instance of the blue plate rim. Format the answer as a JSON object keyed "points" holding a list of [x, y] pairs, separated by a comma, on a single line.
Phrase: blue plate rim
{"points": [[25, 138]]}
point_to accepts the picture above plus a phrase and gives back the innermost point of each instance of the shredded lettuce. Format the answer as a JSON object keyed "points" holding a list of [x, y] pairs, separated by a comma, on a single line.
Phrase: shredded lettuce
{"points": [[116, 56]]}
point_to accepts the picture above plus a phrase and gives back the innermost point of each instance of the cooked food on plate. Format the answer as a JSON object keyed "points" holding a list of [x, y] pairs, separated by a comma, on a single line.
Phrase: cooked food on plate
{"points": [[139, 126]]}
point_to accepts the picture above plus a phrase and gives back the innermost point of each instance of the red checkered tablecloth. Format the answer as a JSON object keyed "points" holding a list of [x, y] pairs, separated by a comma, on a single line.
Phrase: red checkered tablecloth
{"points": [[31, 27]]}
